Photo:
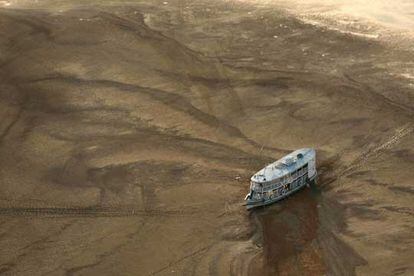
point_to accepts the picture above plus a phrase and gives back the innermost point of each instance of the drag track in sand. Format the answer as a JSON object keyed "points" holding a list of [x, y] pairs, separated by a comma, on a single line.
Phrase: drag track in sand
{"points": [[129, 131]]}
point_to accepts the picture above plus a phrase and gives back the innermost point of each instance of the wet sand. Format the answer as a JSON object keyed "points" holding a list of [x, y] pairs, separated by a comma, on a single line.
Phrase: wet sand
{"points": [[129, 131]]}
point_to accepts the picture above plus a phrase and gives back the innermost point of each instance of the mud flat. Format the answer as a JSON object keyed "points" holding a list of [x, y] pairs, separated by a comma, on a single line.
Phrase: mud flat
{"points": [[129, 131]]}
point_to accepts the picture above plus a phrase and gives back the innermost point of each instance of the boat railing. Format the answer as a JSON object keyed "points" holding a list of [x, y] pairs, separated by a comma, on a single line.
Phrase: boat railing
{"points": [[283, 181]]}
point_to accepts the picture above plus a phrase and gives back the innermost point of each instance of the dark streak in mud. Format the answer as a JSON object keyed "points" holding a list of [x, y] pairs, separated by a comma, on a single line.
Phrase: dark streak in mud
{"points": [[289, 229], [408, 190]]}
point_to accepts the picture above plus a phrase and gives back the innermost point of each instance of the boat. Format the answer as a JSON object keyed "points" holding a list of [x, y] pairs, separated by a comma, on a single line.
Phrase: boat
{"points": [[282, 178]]}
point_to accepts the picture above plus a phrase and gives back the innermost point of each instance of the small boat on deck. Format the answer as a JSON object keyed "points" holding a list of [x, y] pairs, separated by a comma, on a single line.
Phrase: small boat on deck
{"points": [[282, 178]]}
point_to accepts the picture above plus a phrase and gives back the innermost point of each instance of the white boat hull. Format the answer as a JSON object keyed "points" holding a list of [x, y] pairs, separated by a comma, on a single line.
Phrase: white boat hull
{"points": [[250, 204]]}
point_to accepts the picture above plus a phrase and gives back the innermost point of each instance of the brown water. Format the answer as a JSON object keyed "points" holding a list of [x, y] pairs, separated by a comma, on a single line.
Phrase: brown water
{"points": [[290, 233]]}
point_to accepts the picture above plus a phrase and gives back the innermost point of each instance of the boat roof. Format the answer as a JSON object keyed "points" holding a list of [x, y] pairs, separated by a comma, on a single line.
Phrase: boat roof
{"points": [[285, 165]]}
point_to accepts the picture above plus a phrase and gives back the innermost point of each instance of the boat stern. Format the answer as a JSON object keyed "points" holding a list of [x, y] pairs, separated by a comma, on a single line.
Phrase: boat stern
{"points": [[250, 204]]}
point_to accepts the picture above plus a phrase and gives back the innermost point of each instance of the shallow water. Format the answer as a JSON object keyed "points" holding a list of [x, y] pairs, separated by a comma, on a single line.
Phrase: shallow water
{"points": [[290, 234], [395, 14]]}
